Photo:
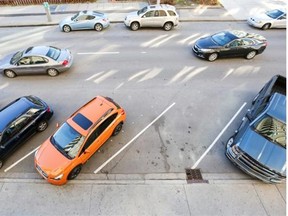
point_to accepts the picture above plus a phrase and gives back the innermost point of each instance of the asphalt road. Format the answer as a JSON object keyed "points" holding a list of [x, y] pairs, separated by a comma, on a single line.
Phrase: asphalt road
{"points": [[146, 72]]}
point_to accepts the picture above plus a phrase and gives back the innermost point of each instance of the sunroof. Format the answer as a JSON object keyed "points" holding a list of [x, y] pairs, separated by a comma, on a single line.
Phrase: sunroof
{"points": [[82, 121]]}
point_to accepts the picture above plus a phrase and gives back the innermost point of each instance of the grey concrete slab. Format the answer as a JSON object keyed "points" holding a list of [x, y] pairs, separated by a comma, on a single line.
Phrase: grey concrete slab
{"points": [[44, 199], [222, 199], [139, 200], [282, 189], [271, 199]]}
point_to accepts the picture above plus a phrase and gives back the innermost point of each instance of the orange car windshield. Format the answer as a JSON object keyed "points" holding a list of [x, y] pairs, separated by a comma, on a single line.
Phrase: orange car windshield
{"points": [[67, 140]]}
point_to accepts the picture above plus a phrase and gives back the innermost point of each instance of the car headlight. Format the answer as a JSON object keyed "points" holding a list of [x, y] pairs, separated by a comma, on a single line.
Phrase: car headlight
{"points": [[206, 50], [58, 177]]}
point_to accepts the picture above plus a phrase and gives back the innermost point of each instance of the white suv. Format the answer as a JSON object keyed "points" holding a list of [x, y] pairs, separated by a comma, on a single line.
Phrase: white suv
{"points": [[163, 15]]}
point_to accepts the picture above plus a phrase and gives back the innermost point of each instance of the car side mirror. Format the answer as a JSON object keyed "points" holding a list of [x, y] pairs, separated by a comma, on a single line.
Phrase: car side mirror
{"points": [[87, 151]]}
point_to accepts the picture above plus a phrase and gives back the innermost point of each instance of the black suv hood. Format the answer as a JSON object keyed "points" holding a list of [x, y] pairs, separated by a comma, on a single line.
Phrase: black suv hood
{"points": [[265, 152]]}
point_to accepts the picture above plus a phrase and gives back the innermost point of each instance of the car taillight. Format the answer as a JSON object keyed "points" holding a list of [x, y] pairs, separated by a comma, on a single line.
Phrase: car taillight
{"points": [[65, 62], [48, 109], [122, 112], [104, 20], [265, 43]]}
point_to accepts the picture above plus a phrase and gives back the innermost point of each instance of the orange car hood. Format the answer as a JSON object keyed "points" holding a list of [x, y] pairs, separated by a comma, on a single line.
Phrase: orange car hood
{"points": [[50, 159]]}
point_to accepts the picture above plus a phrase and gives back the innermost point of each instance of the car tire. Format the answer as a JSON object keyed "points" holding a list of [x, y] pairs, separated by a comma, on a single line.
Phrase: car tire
{"points": [[266, 26], [251, 55], [41, 126], [168, 26], [10, 73], [66, 28], [74, 172], [98, 27], [212, 57], [52, 72], [134, 26], [117, 129]]}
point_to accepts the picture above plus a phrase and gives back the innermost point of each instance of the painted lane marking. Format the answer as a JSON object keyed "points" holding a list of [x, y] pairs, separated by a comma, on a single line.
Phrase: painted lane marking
{"points": [[132, 140], [17, 162], [216, 139], [97, 53]]}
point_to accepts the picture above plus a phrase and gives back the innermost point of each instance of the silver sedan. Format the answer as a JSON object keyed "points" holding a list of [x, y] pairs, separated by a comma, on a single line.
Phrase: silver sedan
{"points": [[85, 20], [270, 19], [38, 59]]}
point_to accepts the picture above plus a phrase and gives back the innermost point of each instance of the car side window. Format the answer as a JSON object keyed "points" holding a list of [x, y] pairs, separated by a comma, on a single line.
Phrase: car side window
{"points": [[235, 43], [24, 61], [171, 13], [90, 17], [282, 17], [162, 13], [82, 17], [17, 125], [149, 14], [38, 60]]}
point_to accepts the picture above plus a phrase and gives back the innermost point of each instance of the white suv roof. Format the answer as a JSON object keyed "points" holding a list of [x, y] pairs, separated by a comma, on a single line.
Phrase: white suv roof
{"points": [[162, 6]]}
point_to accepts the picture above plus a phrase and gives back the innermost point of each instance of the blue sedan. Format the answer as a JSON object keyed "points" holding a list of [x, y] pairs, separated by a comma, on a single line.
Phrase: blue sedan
{"points": [[85, 20]]}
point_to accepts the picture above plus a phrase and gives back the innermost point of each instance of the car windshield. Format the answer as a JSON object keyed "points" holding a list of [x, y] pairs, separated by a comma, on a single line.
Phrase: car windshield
{"points": [[53, 53], [16, 57], [274, 14], [75, 16], [143, 10], [271, 129], [68, 141], [223, 38]]}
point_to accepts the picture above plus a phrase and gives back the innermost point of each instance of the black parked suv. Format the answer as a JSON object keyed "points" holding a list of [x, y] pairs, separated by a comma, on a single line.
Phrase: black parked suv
{"points": [[19, 120], [258, 147]]}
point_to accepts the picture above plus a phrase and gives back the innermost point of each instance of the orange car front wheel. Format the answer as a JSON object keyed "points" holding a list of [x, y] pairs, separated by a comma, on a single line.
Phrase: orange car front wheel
{"points": [[74, 172]]}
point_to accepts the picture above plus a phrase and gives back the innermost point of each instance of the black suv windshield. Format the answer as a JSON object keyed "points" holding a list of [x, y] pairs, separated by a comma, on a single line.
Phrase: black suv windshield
{"points": [[271, 129], [67, 140]]}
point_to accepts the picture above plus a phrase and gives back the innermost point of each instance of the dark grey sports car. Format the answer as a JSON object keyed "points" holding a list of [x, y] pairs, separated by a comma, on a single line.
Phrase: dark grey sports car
{"points": [[230, 44], [38, 59]]}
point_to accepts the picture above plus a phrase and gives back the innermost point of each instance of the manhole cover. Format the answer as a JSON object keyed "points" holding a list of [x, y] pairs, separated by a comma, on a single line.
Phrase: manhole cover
{"points": [[194, 176]]}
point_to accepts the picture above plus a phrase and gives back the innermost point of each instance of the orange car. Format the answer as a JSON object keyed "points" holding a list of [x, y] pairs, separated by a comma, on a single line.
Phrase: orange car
{"points": [[60, 157]]}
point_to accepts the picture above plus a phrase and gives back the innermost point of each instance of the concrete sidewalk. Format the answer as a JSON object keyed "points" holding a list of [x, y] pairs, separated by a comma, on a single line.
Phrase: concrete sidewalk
{"points": [[150, 194], [228, 11]]}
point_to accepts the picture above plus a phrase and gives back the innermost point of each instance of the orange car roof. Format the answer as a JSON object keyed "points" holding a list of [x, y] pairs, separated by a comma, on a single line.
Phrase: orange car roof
{"points": [[89, 114]]}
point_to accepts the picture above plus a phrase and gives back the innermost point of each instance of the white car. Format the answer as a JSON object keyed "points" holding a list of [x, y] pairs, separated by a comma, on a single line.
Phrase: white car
{"points": [[270, 19], [85, 20], [163, 15]]}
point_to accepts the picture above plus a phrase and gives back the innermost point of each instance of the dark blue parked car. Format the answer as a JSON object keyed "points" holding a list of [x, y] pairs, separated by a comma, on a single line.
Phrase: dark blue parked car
{"points": [[19, 120]]}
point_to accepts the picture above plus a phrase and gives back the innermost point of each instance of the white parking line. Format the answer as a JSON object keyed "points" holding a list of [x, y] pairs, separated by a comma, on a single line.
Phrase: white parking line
{"points": [[14, 164], [97, 53], [216, 139], [139, 134]]}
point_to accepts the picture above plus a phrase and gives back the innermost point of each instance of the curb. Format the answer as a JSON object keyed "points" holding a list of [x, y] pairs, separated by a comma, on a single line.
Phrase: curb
{"points": [[136, 179]]}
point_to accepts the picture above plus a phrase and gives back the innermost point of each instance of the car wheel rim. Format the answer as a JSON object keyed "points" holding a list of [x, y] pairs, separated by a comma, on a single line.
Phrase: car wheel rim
{"points": [[118, 129], [168, 27], [98, 27], [42, 126], [10, 74], [52, 72], [66, 29], [213, 57], [75, 172], [251, 55], [134, 26]]}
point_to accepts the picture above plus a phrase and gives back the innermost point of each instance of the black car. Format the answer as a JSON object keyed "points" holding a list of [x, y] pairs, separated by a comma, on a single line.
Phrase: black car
{"points": [[19, 120], [230, 44]]}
